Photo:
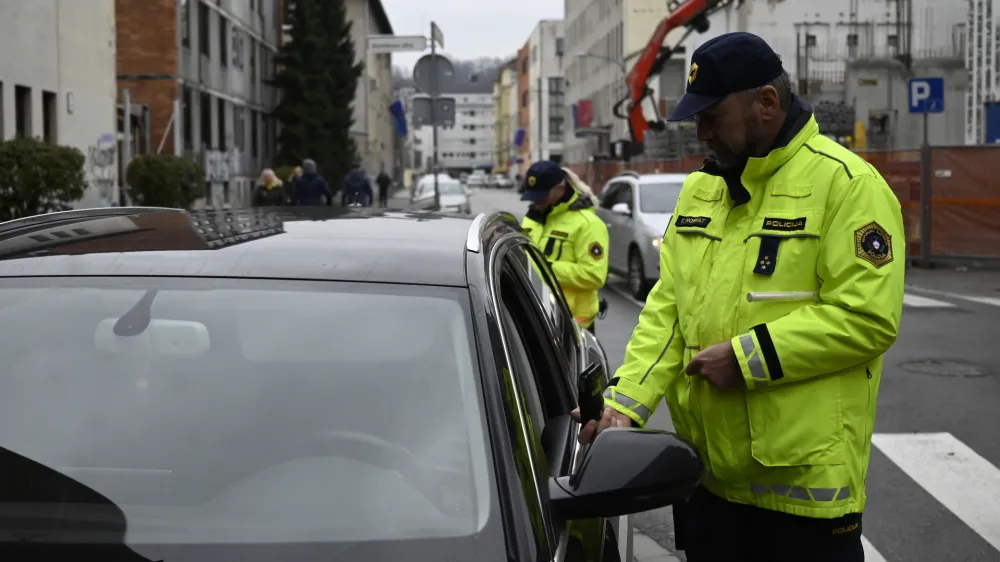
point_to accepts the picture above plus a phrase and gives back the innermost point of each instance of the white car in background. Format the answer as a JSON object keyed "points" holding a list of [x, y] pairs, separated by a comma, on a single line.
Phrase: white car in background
{"points": [[502, 181], [637, 209], [454, 195], [476, 179]]}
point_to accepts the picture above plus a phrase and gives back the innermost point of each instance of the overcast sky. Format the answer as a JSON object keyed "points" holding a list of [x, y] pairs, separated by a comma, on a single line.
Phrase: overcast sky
{"points": [[472, 28]]}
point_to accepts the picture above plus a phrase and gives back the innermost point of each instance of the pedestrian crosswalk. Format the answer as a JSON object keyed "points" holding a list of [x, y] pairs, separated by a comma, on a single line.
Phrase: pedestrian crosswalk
{"points": [[955, 475]]}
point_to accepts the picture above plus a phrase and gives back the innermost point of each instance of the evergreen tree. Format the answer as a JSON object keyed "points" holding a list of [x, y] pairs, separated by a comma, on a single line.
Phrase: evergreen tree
{"points": [[317, 82]]}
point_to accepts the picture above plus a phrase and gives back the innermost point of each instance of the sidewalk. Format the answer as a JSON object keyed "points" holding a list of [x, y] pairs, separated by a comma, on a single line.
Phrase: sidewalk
{"points": [[973, 282]]}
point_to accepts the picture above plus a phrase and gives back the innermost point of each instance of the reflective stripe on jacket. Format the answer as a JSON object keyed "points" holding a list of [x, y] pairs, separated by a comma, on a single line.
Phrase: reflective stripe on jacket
{"points": [[575, 241], [803, 279]]}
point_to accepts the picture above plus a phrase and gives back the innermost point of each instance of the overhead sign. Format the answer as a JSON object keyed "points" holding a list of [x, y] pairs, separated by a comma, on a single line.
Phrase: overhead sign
{"points": [[926, 95], [444, 112], [378, 44]]}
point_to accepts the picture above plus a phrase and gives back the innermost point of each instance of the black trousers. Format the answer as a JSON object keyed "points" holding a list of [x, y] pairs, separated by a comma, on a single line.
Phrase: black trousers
{"points": [[383, 197], [711, 529]]}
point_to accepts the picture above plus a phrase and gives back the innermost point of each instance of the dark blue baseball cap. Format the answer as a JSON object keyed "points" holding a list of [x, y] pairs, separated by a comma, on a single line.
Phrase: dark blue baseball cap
{"points": [[542, 176], [724, 65]]}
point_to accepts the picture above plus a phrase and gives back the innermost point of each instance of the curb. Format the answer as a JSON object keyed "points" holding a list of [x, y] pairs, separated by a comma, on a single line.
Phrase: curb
{"points": [[645, 549]]}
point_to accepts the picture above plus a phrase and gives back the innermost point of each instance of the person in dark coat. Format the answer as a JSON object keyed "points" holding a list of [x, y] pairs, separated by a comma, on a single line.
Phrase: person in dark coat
{"points": [[384, 185], [357, 188], [311, 188], [270, 192]]}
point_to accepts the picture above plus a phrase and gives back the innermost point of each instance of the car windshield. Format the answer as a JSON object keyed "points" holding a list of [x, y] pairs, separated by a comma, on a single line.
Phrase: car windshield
{"points": [[659, 197], [245, 411]]}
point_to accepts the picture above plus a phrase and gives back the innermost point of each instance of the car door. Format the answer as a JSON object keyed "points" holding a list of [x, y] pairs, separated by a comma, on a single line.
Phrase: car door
{"points": [[619, 226], [541, 394]]}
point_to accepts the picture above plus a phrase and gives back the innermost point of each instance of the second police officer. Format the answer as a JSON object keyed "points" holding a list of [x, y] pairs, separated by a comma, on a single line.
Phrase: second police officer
{"points": [[562, 223]]}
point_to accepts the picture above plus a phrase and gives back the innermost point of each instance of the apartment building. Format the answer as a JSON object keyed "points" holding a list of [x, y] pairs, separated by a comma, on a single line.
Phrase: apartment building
{"points": [[198, 70], [547, 100], [524, 134], [373, 129], [469, 143], [57, 82], [503, 138]]}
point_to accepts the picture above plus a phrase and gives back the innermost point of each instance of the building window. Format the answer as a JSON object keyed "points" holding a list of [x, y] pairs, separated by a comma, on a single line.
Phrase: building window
{"points": [[852, 39], [254, 137], [239, 127], [203, 35], [221, 118], [22, 112], [555, 129], [223, 44], [237, 48], [206, 121], [185, 24], [524, 66], [49, 114], [560, 46], [188, 122], [893, 40], [524, 99], [810, 40]]}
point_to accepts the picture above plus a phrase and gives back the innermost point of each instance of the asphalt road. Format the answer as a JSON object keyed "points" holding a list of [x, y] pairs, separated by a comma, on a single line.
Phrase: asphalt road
{"points": [[933, 482]]}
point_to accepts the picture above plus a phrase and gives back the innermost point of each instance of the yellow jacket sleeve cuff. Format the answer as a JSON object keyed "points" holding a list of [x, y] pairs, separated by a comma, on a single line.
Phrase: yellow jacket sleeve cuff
{"points": [[630, 399], [751, 359]]}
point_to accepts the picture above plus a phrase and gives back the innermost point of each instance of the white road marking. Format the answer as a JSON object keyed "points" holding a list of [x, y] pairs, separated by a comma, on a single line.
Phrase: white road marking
{"points": [[955, 475], [924, 302], [871, 554], [994, 301]]}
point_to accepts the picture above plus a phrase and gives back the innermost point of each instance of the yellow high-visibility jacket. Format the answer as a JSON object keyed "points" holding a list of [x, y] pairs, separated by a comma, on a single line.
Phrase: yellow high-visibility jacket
{"points": [[801, 276], [575, 241]]}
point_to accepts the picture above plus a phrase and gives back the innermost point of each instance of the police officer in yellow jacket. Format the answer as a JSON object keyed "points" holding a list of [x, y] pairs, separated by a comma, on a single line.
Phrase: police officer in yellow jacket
{"points": [[779, 293], [562, 223]]}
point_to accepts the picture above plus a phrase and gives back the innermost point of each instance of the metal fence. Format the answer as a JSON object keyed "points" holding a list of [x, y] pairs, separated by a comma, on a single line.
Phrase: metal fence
{"points": [[950, 196]]}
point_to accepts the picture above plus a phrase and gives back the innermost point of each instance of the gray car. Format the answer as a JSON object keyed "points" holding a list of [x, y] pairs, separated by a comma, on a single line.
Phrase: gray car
{"points": [[637, 209]]}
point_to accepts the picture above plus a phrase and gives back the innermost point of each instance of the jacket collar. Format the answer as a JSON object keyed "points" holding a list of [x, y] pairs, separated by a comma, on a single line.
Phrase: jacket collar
{"points": [[575, 202]]}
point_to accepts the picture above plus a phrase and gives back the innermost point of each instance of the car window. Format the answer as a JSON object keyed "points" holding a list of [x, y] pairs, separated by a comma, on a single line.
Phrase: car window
{"points": [[550, 298], [659, 197], [449, 188], [246, 411], [609, 195]]}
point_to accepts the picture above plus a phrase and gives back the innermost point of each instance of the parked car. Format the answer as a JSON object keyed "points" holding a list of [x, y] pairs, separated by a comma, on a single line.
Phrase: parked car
{"points": [[208, 381], [454, 195], [476, 179], [502, 181], [637, 209]]}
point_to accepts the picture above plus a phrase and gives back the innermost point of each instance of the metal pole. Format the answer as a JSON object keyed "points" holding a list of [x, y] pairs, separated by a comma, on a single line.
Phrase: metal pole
{"points": [[126, 137], [148, 145], [539, 115], [178, 132], [925, 198], [434, 123], [368, 136]]}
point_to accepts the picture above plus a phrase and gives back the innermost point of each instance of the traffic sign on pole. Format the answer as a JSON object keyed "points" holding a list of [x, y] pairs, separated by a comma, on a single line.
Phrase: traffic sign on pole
{"points": [[926, 95], [379, 44]]}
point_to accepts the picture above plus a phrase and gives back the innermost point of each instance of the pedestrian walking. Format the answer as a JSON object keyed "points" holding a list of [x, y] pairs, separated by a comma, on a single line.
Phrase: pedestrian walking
{"points": [[779, 294], [384, 186], [270, 192], [357, 188], [562, 223], [310, 187]]}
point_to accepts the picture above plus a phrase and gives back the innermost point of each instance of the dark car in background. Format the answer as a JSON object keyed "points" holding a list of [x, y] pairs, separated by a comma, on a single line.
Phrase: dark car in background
{"points": [[204, 386]]}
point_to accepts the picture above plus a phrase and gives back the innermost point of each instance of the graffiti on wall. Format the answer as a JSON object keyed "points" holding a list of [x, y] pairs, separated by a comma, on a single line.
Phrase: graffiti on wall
{"points": [[102, 167]]}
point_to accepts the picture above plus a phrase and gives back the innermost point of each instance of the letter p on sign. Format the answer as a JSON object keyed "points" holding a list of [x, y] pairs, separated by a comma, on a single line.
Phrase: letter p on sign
{"points": [[926, 95]]}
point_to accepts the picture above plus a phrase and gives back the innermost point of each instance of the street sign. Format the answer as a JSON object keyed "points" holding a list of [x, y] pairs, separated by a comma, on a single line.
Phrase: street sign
{"points": [[926, 95], [379, 44], [444, 112], [436, 35]]}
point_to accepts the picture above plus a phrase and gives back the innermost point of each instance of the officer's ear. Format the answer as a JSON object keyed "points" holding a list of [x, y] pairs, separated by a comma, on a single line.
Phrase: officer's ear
{"points": [[770, 102]]}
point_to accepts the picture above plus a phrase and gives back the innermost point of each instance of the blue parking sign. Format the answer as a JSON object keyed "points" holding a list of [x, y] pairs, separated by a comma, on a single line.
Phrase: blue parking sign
{"points": [[926, 95]]}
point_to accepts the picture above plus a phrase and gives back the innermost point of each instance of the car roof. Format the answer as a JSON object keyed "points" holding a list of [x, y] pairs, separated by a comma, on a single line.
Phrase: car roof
{"points": [[662, 178], [370, 245]]}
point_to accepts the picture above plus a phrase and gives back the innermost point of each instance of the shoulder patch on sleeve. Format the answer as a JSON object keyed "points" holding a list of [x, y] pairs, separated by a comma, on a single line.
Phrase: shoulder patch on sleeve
{"points": [[873, 244], [596, 250]]}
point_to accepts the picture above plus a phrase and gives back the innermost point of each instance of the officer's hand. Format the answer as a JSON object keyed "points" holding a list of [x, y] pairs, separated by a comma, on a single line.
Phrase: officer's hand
{"points": [[718, 364], [610, 418]]}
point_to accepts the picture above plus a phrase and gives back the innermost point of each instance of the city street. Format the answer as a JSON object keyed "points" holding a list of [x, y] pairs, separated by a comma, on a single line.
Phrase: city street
{"points": [[933, 483]]}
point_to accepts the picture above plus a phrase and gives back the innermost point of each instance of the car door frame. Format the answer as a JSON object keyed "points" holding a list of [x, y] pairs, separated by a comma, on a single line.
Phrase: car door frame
{"points": [[619, 226], [558, 531]]}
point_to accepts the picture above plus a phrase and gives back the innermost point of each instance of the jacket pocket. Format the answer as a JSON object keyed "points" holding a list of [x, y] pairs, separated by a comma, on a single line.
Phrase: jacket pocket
{"points": [[797, 424]]}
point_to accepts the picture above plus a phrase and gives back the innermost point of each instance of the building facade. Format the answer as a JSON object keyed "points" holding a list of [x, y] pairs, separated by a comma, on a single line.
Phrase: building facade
{"points": [[503, 92], [524, 106], [57, 82], [983, 61], [468, 144], [199, 70], [373, 129], [547, 100]]}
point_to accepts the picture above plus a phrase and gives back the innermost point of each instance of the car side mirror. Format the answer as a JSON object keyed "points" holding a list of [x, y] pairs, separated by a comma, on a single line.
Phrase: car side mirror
{"points": [[621, 209], [628, 470]]}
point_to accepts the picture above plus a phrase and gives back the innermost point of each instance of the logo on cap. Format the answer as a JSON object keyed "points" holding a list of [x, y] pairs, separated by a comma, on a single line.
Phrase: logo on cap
{"points": [[531, 181], [693, 74]]}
